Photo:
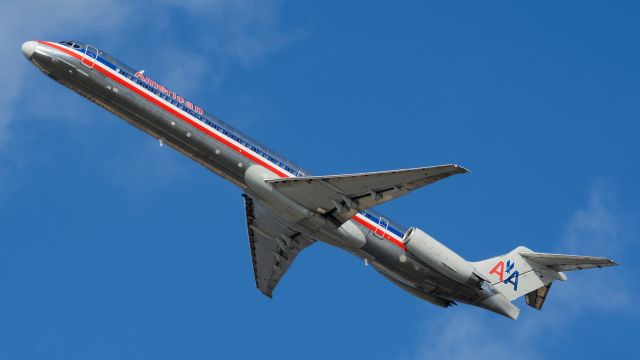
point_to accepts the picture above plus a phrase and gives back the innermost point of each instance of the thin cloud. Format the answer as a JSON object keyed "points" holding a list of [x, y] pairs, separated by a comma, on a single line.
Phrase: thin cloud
{"points": [[596, 229], [243, 31], [222, 33], [25, 20], [145, 168]]}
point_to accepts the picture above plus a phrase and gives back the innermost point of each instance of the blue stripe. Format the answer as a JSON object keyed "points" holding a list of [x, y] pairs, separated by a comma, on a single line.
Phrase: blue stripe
{"points": [[376, 221], [373, 218], [105, 62], [100, 59]]}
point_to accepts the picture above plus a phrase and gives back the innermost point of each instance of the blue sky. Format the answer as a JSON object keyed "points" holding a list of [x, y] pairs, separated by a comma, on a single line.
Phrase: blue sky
{"points": [[112, 247]]}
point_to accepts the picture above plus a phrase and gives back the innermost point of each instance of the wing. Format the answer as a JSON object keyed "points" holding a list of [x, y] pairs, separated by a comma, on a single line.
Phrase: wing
{"points": [[274, 245], [559, 262], [344, 195]]}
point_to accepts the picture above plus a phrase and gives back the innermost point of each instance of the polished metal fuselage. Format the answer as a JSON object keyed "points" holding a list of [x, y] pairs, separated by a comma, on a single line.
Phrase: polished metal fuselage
{"points": [[147, 110]]}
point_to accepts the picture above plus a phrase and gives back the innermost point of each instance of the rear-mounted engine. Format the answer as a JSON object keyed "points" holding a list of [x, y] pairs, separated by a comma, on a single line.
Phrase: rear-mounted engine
{"points": [[439, 257]]}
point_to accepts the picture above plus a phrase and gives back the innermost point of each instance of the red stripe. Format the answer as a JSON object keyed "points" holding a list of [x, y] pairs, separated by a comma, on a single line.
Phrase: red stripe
{"points": [[373, 228], [176, 113], [204, 129]]}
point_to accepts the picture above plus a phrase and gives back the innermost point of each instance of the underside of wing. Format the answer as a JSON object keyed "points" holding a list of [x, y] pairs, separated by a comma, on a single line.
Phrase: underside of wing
{"points": [[560, 262], [273, 245], [344, 195]]}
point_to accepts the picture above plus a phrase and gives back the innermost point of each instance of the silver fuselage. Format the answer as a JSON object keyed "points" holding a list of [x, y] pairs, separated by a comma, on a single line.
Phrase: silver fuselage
{"points": [[181, 124]]}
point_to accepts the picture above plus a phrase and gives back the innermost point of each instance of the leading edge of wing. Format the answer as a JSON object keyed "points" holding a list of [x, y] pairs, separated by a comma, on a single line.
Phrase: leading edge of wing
{"points": [[344, 195], [455, 169]]}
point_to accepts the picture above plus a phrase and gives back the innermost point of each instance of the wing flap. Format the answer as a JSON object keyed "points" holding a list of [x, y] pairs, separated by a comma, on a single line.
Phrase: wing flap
{"points": [[561, 262], [348, 194]]}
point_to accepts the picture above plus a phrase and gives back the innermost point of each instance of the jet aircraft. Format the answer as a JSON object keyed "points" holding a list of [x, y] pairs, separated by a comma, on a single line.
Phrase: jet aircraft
{"points": [[288, 210]]}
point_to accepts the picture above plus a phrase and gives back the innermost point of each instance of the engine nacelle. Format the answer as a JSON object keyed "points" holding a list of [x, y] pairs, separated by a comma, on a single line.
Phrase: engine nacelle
{"points": [[441, 258]]}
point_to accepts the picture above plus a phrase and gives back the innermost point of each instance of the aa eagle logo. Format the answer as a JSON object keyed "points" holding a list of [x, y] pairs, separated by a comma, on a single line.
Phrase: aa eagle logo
{"points": [[500, 270]]}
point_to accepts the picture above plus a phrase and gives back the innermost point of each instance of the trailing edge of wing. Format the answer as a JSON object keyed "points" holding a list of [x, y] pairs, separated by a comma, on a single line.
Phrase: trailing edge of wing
{"points": [[344, 195], [560, 262]]}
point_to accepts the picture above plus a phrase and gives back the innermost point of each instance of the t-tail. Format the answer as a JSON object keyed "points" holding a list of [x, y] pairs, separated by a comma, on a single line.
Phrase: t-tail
{"points": [[523, 272]]}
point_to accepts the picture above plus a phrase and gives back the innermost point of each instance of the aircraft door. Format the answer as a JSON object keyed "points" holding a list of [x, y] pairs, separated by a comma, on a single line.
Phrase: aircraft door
{"points": [[90, 56], [382, 228]]}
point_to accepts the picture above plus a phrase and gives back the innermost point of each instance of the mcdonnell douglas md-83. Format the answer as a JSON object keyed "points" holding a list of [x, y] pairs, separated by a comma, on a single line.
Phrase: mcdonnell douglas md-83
{"points": [[288, 210]]}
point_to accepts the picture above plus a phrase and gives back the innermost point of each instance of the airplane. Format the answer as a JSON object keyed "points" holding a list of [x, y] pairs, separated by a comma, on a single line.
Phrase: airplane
{"points": [[288, 210]]}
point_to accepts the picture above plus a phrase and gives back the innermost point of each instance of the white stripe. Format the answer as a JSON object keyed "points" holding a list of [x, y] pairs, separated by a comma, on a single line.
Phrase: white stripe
{"points": [[211, 129], [377, 226]]}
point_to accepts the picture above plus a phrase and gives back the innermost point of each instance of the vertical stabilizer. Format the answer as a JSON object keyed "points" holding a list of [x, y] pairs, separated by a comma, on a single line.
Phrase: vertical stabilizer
{"points": [[524, 272], [514, 275]]}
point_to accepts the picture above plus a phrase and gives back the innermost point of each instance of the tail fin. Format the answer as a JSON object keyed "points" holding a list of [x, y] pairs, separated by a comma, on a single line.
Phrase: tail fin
{"points": [[514, 276], [524, 272]]}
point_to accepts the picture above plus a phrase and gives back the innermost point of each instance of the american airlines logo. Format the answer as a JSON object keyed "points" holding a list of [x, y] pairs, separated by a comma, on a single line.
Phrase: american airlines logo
{"points": [[501, 269], [163, 91]]}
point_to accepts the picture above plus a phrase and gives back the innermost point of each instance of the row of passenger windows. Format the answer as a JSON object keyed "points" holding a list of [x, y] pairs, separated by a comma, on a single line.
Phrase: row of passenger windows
{"points": [[160, 94], [193, 113], [219, 128], [255, 149]]}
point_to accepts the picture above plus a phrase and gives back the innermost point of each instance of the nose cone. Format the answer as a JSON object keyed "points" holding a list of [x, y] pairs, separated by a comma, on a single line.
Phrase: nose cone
{"points": [[28, 48]]}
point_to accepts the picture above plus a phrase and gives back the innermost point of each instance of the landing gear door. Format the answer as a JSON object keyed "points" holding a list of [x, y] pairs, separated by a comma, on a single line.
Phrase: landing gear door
{"points": [[90, 56]]}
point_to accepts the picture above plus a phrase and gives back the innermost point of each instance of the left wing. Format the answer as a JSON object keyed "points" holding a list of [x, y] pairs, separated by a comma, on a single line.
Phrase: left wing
{"points": [[342, 196], [274, 245]]}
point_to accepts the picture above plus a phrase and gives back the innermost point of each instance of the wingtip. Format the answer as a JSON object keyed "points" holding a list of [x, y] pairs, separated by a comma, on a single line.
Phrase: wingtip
{"points": [[460, 169]]}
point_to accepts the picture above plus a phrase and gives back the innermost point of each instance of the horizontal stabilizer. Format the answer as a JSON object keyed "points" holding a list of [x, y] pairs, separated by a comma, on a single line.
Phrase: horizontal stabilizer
{"points": [[560, 262], [524, 272], [536, 298], [344, 195]]}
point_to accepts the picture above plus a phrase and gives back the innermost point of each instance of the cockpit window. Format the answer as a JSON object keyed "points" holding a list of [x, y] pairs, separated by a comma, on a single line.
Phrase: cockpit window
{"points": [[72, 44]]}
